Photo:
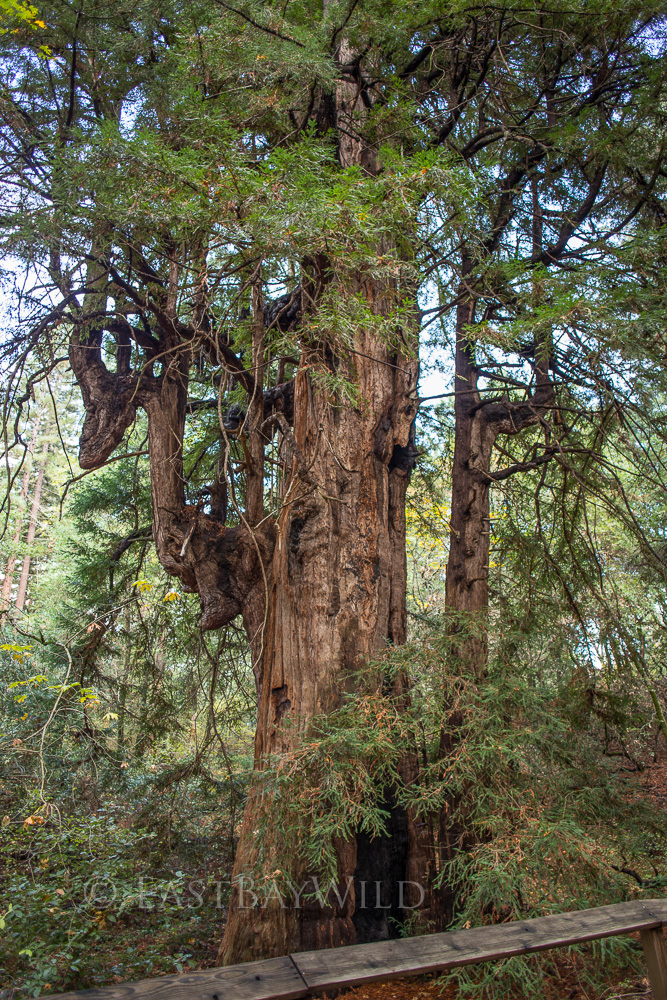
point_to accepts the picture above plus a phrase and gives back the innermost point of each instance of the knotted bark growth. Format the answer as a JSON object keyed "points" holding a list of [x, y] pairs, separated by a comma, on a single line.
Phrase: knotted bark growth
{"points": [[222, 563]]}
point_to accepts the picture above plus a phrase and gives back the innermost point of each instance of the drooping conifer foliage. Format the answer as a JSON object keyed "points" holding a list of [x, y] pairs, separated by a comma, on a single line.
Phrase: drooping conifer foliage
{"points": [[236, 227]]}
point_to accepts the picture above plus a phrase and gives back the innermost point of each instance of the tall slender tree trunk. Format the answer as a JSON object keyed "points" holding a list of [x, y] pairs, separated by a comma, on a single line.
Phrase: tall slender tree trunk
{"points": [[479, 421], [32, 528], [8, 581], [124, 681], [466, 585]]}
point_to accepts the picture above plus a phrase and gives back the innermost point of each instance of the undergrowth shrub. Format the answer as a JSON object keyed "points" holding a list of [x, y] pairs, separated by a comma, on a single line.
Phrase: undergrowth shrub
{"points": [[551, 822], [115, 850]]}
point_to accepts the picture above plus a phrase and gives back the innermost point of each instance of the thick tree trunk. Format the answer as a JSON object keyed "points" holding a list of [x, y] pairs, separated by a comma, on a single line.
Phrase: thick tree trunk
{"points": [[336, 597], [321, 587]]}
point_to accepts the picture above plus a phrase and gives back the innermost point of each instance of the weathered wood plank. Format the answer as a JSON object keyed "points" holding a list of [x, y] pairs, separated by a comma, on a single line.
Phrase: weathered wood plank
{"points": [[273, 979], [294, 977], [366, 963], [655, 954]]}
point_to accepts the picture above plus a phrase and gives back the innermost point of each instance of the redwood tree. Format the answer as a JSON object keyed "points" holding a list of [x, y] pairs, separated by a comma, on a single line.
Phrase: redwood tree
{"points": [[227, 215], [560, 136]]}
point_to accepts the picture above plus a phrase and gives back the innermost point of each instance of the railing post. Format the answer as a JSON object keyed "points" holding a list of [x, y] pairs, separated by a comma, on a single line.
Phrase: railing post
{"points": [[655, 954]]}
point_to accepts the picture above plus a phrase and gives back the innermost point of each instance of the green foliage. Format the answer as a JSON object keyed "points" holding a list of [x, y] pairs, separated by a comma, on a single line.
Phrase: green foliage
{"points": [[15, 12], [125, 743], [548, 820]]}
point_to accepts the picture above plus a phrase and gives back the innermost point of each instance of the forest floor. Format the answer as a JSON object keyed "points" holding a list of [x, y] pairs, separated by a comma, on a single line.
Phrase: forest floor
{"points": [[565, 989]]}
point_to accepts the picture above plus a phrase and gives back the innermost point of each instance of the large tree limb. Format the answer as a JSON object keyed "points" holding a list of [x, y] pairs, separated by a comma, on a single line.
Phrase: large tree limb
{"points": [[110, 400]]}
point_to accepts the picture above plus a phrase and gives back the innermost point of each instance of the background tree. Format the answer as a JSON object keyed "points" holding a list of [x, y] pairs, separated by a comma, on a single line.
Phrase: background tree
{"points": [[565, 175], [8, 578]]}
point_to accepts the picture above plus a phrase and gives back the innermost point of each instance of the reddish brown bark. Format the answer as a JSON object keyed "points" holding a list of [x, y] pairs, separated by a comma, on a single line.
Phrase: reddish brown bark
{"points": [[479, 420], [466, 587], [321, 587], [336, 596]]}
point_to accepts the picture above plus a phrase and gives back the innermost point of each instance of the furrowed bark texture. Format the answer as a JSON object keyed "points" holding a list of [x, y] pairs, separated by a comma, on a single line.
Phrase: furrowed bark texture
{"points": [[336, 596], [466, 586], [320, 588], [479, 420]]}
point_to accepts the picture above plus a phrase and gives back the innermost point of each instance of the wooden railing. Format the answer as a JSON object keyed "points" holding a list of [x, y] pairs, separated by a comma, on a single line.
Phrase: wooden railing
{"points": [[311, 972]]}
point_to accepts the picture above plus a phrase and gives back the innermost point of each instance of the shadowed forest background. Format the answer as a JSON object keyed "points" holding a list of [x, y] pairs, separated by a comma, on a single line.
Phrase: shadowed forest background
{"points": [[277, 602]]}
